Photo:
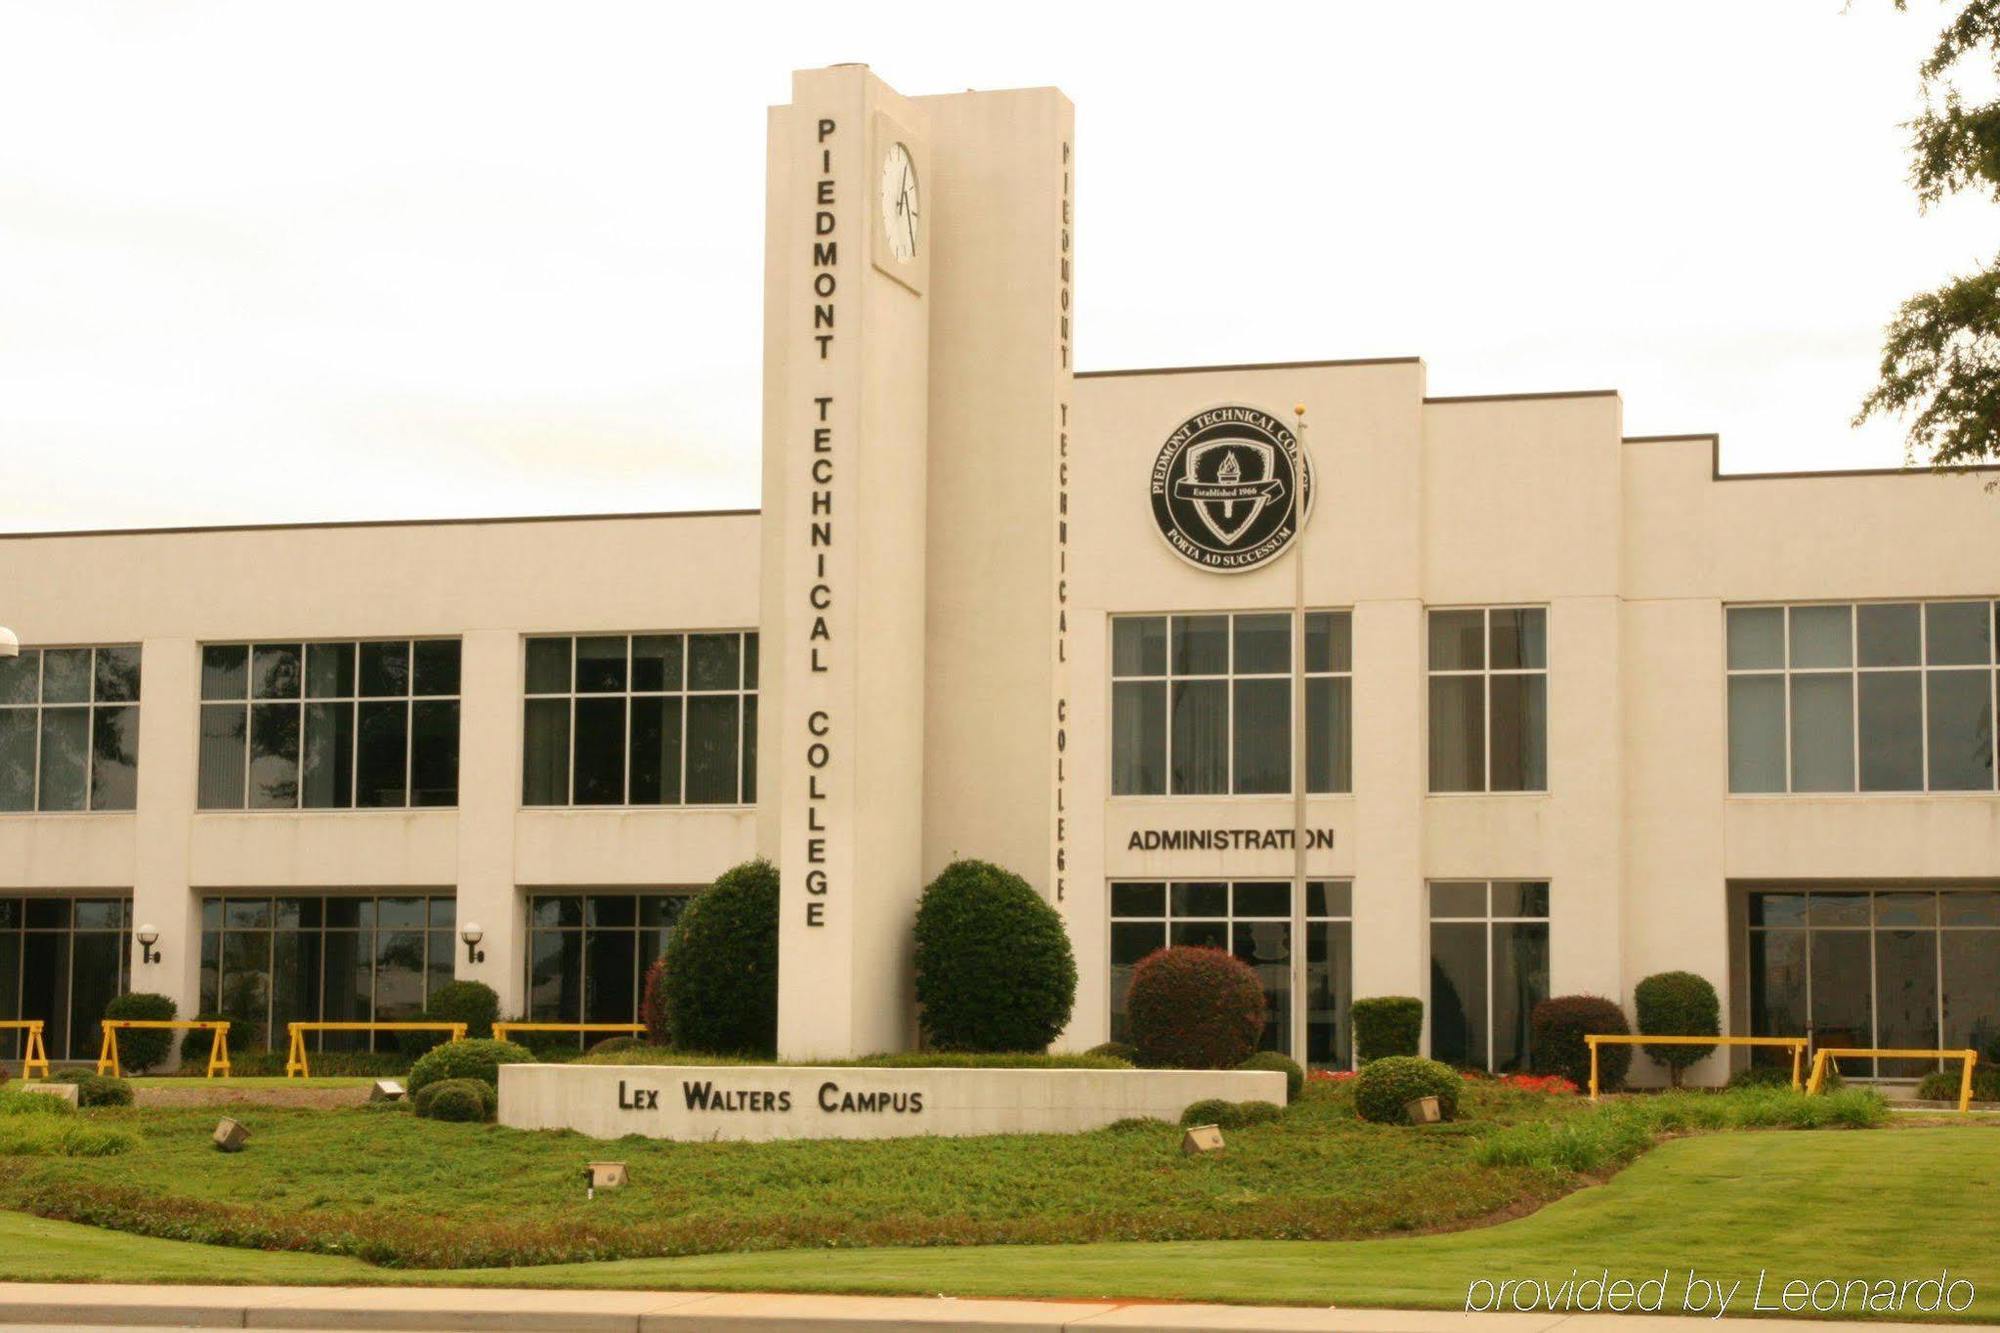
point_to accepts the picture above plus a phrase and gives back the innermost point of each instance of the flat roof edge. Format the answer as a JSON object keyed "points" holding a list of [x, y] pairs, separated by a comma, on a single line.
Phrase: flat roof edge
{"points": [[1520, 397], [1251, 365], [379, 523]]}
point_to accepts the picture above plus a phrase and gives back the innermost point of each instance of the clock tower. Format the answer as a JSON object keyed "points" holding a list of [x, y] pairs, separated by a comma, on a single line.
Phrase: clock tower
{"points": [[916, 390]]}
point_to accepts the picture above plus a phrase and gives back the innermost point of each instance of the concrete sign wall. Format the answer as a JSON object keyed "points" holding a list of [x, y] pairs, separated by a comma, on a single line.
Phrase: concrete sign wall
{"points": [[703, 1102]]}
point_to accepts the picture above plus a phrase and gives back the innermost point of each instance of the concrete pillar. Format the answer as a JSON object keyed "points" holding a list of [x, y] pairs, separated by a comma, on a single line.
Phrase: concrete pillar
{"points": [[1391, 923], [169, 741], [489, 768]]}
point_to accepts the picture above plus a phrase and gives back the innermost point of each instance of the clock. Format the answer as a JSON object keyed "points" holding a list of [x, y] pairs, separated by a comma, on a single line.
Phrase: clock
{"points": [[901, 206]]}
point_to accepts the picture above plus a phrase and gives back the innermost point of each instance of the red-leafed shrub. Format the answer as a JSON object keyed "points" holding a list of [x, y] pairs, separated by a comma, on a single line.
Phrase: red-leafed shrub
{"points": [[1553, 1084], [653, 1004], [1560, 1026], [1194, 1008]]}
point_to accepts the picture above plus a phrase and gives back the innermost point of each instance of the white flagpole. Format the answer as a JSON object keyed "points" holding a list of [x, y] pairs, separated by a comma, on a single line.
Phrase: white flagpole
{"points": [[1299, 951]]}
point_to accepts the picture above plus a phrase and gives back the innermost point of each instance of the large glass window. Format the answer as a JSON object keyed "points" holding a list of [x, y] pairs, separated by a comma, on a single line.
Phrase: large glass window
{"points": [[62, 960], [1489, 969], [69, 729], [641, 719], [1489, 699], [1251, 919], [1869, 696], [588, 952], [329, 726], [1910, 967], [1202, 705], [268, 962]]}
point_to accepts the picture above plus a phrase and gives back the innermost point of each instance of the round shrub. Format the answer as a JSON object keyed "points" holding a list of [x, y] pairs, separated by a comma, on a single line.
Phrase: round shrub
{"points": [[1386, 1085], [1194, 1008], [461, 1099], [1295, 1077], [243, 1039], [467, 1059], [993, 962], [473, 1003], [1560, 1026], [139, 1049], [1207, 1111], [721, 969], [1229, 1115], [100, 1090], [653, 1003], [1117, 1050], [1388, 1025], [615, 1045], [1678, 1004]]}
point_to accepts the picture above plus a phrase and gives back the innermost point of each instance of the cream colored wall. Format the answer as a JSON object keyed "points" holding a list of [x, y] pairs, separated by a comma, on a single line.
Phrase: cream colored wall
{"points": [[489, 584]]}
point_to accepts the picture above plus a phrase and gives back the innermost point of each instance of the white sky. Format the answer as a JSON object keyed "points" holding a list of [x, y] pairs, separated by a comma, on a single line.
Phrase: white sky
{"points": [[278, 262]]}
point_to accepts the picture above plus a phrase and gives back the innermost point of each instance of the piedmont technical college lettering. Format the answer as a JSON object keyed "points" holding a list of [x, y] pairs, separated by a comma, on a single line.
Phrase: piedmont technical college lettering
{"points": [[819, 596]]}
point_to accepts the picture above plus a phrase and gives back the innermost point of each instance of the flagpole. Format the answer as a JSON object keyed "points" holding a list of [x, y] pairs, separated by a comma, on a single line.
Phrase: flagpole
{"points": [[1299, 949]]}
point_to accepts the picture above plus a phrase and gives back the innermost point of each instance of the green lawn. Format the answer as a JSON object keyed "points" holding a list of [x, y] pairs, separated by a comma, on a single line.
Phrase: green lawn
{"points": [[1898, 1203], [384, 1185], [255, 1081]]}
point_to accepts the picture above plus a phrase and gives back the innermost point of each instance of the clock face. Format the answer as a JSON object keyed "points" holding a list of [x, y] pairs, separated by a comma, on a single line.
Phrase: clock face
{"points": [[900, 207]]}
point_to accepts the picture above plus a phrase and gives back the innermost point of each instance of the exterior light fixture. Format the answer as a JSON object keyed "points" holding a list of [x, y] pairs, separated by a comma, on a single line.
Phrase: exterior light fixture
{"points": [[472, 934], [10, 643], [149, 935]]}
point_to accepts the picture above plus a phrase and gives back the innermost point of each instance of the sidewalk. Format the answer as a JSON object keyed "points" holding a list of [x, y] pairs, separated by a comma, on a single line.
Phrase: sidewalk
{"points": [[409, 1309]]}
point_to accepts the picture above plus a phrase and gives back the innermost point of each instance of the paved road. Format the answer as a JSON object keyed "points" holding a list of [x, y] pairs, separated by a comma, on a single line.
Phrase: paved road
{"points": [[406, 1309]]}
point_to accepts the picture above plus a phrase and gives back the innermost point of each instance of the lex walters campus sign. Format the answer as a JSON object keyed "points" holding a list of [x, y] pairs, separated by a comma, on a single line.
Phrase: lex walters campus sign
{"points": [[763, 1102]]}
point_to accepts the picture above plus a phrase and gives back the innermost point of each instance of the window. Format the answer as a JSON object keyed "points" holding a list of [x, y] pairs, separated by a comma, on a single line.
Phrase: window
{"points": [[1910, 967], [1489, 969], [1489, 681], [1202, 705], [329, 726], [61, 960], [1869, 696], [588, 953], [268, 962], [69, 729], [641, 719], [1251, 919]]}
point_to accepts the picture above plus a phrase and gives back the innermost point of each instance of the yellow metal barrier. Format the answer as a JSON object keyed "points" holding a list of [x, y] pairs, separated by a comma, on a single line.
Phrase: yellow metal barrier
{"points": [[1797, 1046], [34, 1055], [500, 1030], [218, 1052], [1825, 1056], [295, 1057]]}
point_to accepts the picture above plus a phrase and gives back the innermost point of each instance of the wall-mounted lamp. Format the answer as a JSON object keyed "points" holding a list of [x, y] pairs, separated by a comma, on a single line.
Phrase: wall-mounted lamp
{"points": [[149, 935], [472, 934], [10, 643]]}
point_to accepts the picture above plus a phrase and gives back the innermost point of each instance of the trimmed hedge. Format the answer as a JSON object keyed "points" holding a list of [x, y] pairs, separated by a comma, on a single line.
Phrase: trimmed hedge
{"points": [[1295, 1077], [653, 1003], [1678, 1004], [994, 968], [139, 1049], [1225, 1114], [243, 1039], [1559, 1027], [721, 967], [467, 1059], [1194, 1008], [1386, 1085], [473, 1003], [1942, 1086], [1388, 1025], [1117, 1050], [100, 1090], [460, 1099]]}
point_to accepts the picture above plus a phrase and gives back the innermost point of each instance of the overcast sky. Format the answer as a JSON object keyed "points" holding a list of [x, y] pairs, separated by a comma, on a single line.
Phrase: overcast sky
{"points": [[271, 262]]}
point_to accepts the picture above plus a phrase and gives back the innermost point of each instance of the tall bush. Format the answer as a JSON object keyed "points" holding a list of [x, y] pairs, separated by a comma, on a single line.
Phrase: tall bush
{"points": [[994, 967], [473, 1003], [653, 1003], [1388, 1025], [1678, 1004], [243, 1038], [1559, 1027], [722, 966], [139, 1049], [1194, 1008]]}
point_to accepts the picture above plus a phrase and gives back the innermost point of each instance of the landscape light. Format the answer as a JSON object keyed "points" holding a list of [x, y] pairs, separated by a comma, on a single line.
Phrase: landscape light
{"points": [[472, 934]]}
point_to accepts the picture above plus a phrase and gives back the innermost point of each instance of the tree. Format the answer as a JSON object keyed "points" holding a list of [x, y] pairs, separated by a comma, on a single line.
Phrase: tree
{"points": [[1941, 354]]}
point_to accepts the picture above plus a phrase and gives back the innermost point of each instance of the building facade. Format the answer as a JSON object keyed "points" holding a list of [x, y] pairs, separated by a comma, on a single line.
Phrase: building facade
{"points": [[1567, 707]]}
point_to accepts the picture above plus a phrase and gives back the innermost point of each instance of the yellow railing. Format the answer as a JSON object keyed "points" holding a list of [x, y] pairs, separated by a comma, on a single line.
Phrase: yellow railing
{"points": [[295, 1057], [218, 1051], [1826, 1055], [34, 1055], [1796, 1044], [500, 1030]]}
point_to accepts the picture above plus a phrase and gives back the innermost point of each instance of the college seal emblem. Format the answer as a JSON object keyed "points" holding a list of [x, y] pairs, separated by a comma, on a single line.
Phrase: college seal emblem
{"points": [[1231, 488]]}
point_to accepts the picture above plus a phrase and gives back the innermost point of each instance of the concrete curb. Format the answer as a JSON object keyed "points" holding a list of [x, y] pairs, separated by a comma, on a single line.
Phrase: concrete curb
{"points": [[422, 1309]]}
